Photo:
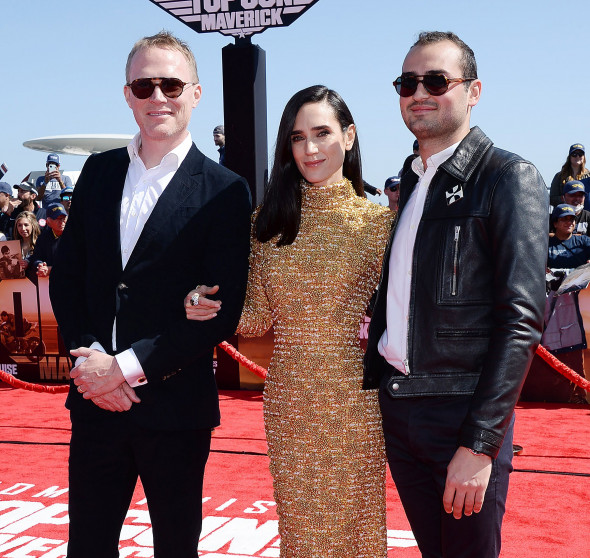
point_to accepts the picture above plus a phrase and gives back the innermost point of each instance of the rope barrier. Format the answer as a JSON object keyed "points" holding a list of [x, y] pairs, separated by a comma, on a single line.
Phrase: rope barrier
{"points": [[252, 366], [39, 388], [564, 370], [28, 386], [261, 372]]}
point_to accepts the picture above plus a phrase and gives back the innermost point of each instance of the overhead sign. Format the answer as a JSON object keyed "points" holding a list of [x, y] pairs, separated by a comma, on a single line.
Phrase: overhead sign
{"points": [[239, 18]]}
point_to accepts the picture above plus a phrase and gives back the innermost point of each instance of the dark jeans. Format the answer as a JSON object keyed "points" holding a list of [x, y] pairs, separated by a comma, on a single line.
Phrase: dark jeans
{"points": [[421, 438], [107, 457]]}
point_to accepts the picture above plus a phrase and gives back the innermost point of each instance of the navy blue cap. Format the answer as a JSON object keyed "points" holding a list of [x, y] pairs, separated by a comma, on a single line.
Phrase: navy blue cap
{"points": [[53, 158], [392, 181], [27, 186], [563, 210], [577, 147], [6, 188], [55, 210], [67, 191], [573, 187]]}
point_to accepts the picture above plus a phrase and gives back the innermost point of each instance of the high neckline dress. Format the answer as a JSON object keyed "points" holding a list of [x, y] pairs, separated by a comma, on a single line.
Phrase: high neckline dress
{"points": [[324, 434]]}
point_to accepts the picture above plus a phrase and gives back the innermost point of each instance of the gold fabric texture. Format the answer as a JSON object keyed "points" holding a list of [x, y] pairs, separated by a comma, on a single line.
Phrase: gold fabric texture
{"points": [[325, 442]]}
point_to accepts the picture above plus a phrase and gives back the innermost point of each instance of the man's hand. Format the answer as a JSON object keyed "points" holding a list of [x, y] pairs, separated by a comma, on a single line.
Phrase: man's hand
{"points": [[118, 400], [467, 479], [12, 205], [53, 174], [97, 375]]}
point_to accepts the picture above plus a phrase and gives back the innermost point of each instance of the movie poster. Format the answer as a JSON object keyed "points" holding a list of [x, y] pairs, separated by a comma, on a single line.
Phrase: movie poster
{"points": [[11, 260], [30, 347]]}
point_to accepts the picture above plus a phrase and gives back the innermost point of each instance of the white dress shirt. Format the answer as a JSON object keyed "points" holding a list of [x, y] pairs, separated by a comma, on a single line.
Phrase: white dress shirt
{"points": [[393, 345], [141, 191]]}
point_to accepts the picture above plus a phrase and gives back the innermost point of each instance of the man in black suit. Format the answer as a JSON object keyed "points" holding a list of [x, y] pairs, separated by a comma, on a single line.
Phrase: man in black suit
{"points": [[149, 222]]}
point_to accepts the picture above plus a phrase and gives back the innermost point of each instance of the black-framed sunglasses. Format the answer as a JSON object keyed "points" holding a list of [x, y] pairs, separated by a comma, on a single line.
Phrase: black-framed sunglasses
{"points": [[435, 84], [172, 88], [577, 154], [393, 188]]}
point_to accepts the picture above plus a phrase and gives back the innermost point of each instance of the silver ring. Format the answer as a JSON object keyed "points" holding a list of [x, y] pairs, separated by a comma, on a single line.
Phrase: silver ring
{"points": [[80, 390], [195, 299]]}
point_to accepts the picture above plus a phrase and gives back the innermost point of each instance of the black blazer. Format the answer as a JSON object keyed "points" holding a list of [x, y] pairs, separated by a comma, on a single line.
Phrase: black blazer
{"points": [[198, 233]]}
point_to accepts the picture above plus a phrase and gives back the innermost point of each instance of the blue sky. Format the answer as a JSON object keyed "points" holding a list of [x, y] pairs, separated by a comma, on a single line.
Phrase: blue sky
{"points": [[63, 72]]}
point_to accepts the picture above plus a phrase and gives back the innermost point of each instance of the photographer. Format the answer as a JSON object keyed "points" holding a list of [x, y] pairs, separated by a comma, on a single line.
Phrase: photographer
{"points": [[51, 185]]}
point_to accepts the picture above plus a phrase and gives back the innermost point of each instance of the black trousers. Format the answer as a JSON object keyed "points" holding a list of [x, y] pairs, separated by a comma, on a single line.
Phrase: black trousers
{"points": [[107, 457], [421, 438]]}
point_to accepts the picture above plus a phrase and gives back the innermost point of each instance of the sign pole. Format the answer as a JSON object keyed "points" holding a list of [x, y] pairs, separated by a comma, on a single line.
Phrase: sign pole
{"points": [[244, 104]]}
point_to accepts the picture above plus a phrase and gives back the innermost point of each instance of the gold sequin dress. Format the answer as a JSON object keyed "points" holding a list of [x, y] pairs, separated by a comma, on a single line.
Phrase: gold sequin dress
{"points": [[325, 441]]}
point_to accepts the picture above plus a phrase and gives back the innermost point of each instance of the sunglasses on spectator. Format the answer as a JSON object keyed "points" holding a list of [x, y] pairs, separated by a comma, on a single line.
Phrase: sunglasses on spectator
{"points": [[143, 88], [66, 198], [435, 84], [577, 154], [392, 188]]}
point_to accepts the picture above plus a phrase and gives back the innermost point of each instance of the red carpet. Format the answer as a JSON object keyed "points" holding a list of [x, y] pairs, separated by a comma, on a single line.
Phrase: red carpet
{"points": [[548, 511]]}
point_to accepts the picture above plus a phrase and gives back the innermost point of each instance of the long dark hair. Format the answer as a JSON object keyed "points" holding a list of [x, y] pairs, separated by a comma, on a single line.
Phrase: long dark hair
{"points": [[567, 171], [280, 213]]}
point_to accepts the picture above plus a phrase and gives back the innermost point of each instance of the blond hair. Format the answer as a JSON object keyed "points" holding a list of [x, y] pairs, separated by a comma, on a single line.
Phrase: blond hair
{"points": [[163, 39]]}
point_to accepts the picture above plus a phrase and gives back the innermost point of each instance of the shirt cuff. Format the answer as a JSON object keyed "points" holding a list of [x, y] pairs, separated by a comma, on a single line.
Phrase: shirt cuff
{"points": [[96, 346], [131, 368]]}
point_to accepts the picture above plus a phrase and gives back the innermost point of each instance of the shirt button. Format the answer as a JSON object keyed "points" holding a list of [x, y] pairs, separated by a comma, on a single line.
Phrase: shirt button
{"points": [[142, 380], [395, 386]]}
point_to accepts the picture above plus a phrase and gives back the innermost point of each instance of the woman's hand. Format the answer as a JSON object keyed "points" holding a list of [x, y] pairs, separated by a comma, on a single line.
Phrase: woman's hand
{"points": [[205, 308], [43, 270]]}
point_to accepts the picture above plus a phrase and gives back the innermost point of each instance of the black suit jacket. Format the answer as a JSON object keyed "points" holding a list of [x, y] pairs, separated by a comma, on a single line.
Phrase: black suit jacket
{"points": [[198, 233]]}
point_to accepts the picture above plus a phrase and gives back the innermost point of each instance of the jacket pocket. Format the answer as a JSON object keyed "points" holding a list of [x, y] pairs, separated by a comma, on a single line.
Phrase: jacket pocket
{"points": [[464, 275], [454, 333]]}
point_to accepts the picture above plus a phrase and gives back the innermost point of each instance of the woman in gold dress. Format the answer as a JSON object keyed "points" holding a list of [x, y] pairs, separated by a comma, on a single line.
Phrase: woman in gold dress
{"points": [[317, 247]]}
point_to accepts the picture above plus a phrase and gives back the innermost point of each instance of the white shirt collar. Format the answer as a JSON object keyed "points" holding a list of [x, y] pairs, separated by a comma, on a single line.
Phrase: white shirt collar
{"points": [[174, 157], [434, 161]]}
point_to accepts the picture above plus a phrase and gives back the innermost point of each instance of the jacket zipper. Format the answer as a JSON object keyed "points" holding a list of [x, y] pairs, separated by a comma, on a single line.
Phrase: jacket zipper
{"points": [[455, 260], [412, 286]]}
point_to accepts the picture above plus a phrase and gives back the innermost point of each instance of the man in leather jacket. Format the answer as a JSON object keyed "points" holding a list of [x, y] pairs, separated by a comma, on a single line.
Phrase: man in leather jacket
{"points": [[459, 310]]}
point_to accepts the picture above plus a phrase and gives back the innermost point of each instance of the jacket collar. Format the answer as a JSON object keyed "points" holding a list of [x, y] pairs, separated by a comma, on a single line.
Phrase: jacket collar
{"points": [[468, 155], [173, 197], [460, 164]]}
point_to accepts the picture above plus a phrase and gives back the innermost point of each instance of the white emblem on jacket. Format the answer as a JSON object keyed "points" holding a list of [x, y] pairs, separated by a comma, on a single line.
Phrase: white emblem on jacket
{"points": [[454, 194]]}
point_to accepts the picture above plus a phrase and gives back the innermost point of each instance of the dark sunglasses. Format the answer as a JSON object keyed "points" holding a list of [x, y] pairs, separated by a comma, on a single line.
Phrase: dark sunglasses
{"points": [[435, 84], [577, 154], [392, 188], [143, 88]]}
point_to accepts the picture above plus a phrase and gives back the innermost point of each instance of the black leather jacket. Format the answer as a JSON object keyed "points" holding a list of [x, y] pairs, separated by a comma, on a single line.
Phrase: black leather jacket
{"points": [[478, 288]]}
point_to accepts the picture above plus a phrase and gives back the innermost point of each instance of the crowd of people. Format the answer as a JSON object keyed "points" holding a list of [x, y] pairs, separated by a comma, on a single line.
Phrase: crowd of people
{"points": [[568, 251], [457, 316], [34, 214]]}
